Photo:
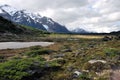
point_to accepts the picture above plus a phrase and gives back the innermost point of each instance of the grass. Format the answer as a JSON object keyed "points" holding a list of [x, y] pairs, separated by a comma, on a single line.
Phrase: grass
{"points": [[83, 49], [75, 36]]}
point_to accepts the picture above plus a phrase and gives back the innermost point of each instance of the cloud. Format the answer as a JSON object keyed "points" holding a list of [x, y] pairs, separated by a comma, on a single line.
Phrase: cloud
{"points": [[45, 4], [107, 6], [94, 15]]}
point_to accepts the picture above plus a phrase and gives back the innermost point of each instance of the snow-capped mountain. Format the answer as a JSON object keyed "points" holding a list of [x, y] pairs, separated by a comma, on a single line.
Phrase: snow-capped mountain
{"points": [[31, 19], [79, 30]]}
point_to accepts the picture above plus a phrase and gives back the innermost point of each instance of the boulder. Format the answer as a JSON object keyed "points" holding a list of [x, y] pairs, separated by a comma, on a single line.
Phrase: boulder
{"points": [[107, 38], [76, 74], [95, 61]]}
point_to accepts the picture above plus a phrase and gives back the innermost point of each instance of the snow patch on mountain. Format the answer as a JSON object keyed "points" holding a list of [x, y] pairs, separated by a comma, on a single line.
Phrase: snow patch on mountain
{"points": [[46, 27], [50, 21], [9, 9], [1, 11], [79, 30]]}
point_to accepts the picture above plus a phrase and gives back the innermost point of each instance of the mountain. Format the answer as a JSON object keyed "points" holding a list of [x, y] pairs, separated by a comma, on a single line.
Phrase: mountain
{"points": [[9, 28], [31, 19], [79, 30]]}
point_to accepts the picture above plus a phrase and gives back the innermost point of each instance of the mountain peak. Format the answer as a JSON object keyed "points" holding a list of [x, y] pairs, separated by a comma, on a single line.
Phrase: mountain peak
{"points": [[79, 30], [31, 19], [5, 5], [7, 8]]}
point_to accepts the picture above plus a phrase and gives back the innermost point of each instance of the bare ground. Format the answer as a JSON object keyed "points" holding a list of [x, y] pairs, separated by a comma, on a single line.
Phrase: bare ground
{"points": [[115, 75]]}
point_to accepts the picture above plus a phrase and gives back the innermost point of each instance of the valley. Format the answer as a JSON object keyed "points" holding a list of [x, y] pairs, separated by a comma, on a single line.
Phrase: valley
{"points": [[76, 58], [33, 47]]}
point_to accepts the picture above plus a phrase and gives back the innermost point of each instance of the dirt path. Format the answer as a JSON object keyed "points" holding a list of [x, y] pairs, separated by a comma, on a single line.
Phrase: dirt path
{"points": [[115, 75]]}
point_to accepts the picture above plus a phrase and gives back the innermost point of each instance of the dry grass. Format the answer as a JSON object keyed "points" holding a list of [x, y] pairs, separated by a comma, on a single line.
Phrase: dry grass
{"points": [[88, 36], [76, 36]]}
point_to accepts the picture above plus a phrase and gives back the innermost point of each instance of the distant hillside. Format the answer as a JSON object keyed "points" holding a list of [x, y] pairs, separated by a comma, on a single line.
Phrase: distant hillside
{"points": [[10, 31], [117, 33], [9, 27]]}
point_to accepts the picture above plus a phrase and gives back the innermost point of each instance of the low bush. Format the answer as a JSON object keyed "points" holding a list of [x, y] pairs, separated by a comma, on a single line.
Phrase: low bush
{"points": [[25, 68], [34, 53], [15, 69], [35, 47], [84, 77], [112, 52]]}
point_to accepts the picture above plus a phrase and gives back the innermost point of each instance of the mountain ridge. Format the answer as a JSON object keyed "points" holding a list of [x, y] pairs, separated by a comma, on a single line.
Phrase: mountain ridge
{"points": [[31, 19], [79, 30]]}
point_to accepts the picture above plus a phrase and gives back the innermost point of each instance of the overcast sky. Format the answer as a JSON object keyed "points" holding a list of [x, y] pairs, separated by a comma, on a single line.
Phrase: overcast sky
{"points": [[92, 15]]}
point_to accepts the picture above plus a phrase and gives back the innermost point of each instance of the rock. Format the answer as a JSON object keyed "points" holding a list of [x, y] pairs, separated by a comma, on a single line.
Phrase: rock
{"points": [[91, 45], [117, 37], [70, 68], [76, 74], [95, 61], [61, 61], [66, 50], [77, 53], [107, 38], [31, 72], [59, 56]]}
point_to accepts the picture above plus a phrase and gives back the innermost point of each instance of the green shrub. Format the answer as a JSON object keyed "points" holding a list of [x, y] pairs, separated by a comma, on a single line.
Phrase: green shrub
{"points": [[84, 76], [17, 69], [112, 52], [34, 53], [14, 70], [35, 47], [54, 63]]}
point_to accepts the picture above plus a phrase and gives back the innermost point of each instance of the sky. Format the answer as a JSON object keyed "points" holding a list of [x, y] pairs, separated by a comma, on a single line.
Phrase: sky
{"points": [[91, 15]]}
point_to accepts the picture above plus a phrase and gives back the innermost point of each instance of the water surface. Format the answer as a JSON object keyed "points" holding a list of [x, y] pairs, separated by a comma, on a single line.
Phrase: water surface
{"points": [[15, 45]]}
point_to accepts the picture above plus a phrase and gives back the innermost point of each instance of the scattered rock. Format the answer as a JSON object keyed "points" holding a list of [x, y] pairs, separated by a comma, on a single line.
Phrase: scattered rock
{"points": [[91, 45], [59, 56], [77, 53], [95, 61], [117, 37], [61, 61], [70, 68], [76, 74], [66, 50], [107, 38]]}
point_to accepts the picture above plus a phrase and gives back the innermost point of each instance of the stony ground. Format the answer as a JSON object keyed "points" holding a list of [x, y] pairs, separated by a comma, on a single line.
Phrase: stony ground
{"points": [[115, 75]]}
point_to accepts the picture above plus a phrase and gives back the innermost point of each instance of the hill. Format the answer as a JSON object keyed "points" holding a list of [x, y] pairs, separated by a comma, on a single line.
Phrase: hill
{"points": [[10, 30]]}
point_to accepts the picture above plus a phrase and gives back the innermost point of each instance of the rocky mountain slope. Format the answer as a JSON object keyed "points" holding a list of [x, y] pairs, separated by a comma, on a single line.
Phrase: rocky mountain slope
{"points": [[8, 27], [31, 19]]}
